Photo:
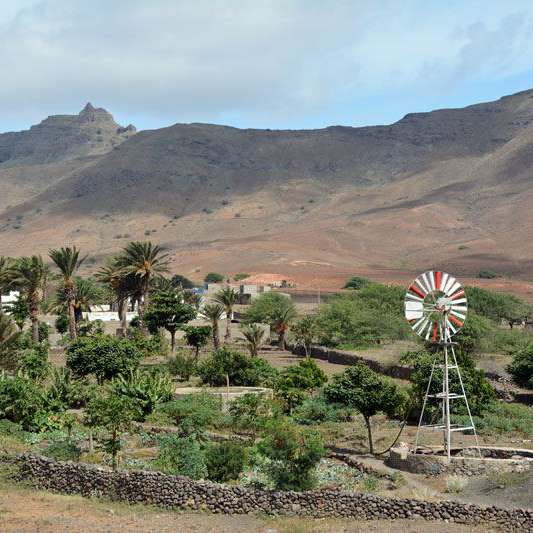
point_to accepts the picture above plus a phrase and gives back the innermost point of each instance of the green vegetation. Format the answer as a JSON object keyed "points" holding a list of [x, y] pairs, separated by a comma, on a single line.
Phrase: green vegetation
{"points": [[487, 274], [254, 336], [225, 461], [240, 276], [197, 337], [213, 277], [522, 366], [356, 282]]}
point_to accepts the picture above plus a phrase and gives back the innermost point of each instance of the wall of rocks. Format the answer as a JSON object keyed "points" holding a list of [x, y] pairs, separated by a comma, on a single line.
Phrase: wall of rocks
{"points": [[183, 493]]}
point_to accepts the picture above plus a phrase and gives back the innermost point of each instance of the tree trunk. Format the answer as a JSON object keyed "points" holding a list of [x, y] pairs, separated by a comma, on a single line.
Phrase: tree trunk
{"points": [[306, 351], [114, 454], [172, 342], [369, 429], [196, 354], [227, 336], [281, 341], [69, 292], [34, 326], [216, 340]]}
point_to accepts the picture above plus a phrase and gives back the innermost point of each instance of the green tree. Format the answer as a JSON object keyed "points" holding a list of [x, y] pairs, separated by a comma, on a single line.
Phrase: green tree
{"points": [[356, 282], [19, 310], [521, 367], [227, 297], [30, 275], [68, 261], [304, 332], [167, 310], [294, 453], [213, 313], [197, 337], [213, 277], [362, 389], [240, 276], [143, 261], [181, 282], [225, 461], [254, 336], [6, 268], [104, 356], [115, 414]]}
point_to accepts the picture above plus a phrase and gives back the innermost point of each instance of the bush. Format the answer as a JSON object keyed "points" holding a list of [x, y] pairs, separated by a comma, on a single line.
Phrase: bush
{"points": [[64, 450], [146, 390], [293, 454], [67, 391], [356, 282], [193, 413], [251, 412], [34, 362], [225, 461], [317, 410], [44, 331], [182, 282], [181, 456], [182, 365], [103, 355], [213, 277], [487, 274], [456, 484], [521, 367], [240, 276], [155, 345], [258, 372], [61, 323]]}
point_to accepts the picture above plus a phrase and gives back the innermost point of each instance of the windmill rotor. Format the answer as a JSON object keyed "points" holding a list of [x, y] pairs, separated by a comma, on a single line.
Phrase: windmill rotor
{"points": [[435, 306]]}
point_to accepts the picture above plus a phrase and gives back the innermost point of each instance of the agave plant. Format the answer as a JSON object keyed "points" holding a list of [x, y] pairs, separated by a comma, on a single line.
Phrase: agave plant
{"points": [[147, 390]]}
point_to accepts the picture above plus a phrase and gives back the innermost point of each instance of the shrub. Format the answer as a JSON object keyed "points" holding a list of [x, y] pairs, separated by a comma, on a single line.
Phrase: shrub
{"points": [[521, 367], [44, 331], [456, 484], [257, 372], [225, 461], [487, 274], [34, 362], [251, 412], [293, 453], [61, 323], [213, 277], [145, 390], [66, 390], [317, 410], [240, 276], [64, 450], [181, 456], [182, 282], [103, 355], [197, 337], [356, 282], [305, 375], [155, 345], [182, 365]]}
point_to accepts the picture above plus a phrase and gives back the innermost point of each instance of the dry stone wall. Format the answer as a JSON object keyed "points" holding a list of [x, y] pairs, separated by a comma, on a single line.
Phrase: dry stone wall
{"points": [[180, 492]]}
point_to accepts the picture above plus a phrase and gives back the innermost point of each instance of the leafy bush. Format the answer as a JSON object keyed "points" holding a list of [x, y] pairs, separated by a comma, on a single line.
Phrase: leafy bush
{"points": [[146, 390], [471, 335], [496, 305], [155, 345], [61, 323], [225, 461], [197, 337], [240, 276], [34, 362], [66, 390], [267, 308], [487, 274], [90, 328], [251, 412], [182, 365], [356, 282], [181, 456], [65, 450], [257, 372], [213, 277], [293, 453], [181, 281], [317, 410], [193, 413], [521, 367], [103, 355], [456, 484], [44, 331]]}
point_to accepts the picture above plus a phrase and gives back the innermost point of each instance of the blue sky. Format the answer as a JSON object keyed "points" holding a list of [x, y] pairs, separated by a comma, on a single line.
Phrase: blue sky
{"points": [[259, 63]]}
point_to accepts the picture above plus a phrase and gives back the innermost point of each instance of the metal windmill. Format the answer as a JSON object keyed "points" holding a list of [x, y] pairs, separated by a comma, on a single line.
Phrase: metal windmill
{"points": [[436, 307]]}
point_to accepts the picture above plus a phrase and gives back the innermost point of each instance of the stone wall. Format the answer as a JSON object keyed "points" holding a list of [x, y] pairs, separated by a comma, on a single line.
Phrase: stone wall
{"points": [[183, 493]]}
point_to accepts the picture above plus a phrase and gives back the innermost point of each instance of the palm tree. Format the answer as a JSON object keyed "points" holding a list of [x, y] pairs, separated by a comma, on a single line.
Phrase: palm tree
{"points": [[6, 264], [254, 335], [214, 312], [145, 262], [281, 324], [68, 261], [9, 334], [30, 275], [227, 297], [86, 294]]}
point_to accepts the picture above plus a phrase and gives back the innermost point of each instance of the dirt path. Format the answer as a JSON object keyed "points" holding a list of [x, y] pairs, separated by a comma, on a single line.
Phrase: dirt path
{"points": [[25, 510]]}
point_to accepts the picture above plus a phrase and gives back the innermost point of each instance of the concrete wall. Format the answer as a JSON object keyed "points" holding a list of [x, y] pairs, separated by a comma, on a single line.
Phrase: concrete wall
{"points": [[183, 493]]}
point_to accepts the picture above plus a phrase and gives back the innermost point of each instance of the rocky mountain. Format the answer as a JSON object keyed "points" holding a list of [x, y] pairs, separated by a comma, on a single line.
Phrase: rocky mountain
{"points": [[450, 188]]}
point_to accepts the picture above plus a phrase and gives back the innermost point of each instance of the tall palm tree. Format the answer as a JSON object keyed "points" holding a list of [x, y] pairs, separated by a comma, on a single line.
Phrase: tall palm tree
{"points": [[282, 321], [214, 312], [68, 261], [227, 297], [86, 294], [145, 261], [6, 264], [254, 335], [30, 275]]}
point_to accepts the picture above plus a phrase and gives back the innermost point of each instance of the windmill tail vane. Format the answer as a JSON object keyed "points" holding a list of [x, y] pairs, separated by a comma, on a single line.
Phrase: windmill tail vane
{"points": [[436, 307]]}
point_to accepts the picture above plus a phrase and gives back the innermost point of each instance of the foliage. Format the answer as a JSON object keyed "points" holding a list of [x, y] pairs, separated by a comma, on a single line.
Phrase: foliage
{"points": [[155, 345], [65, 450], [356, 282], [213, 313], [456, 484], [9, 337], [487, 274], [240, 276], [225, 461], [294, 453], [496, 305], [227, 297], [317, 410], [254, 336], [167, 310], [90, 328], [368, 316], [470, 336], [33, 362], [44, 331], [103, 355], [66, 390], [478, 390], [521, 368], [183, 365], [306, 375], [225, 366], [19, 310], [114, 413], [61, 323], [213, 277], [366, 391], [181, 456], [145, 390], [193, 413], [305, 332], [251, 412], [197, 337], [181, 282]]}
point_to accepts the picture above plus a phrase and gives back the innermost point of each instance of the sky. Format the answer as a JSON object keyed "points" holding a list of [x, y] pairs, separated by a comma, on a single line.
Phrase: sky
{"points": [[257, 63]]}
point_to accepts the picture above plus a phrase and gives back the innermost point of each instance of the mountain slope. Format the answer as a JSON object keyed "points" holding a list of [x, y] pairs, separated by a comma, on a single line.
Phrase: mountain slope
{"points": [[448, 188]]}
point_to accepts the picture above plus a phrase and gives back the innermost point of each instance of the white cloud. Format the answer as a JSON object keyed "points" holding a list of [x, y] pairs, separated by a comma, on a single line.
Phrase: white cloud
{"points": [[259, 61]]}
